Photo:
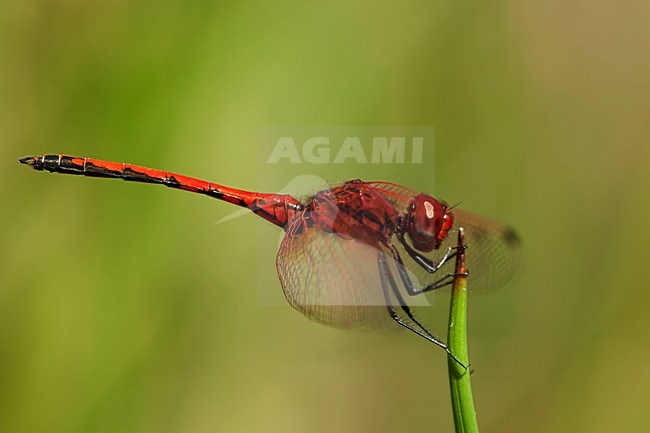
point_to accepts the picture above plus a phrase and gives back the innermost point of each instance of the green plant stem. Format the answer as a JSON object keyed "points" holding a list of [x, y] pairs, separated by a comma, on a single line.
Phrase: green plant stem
{"points": [[462, 401]]}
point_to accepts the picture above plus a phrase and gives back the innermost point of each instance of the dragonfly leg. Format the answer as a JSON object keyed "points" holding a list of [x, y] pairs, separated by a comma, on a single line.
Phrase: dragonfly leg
{"points": [[387, 274], [428, 265], [406, 280], [442, 282], [387, 280]]}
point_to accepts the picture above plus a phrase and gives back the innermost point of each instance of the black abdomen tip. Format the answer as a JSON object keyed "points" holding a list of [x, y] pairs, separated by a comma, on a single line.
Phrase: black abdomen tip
{"points": [[29, 160], [34, 161]]}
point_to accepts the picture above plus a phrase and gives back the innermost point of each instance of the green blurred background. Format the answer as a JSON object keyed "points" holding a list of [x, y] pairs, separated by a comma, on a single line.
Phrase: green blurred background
{"points": [[124, 308]]}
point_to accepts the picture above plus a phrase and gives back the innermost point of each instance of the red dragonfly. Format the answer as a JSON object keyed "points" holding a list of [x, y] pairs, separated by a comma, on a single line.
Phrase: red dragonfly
{"points": [[345, 248]]}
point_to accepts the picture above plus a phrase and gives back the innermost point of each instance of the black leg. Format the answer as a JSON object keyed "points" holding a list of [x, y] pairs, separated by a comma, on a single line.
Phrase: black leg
{"points": [[406, 280], [389, 285], [428, 265], [442, 282], [385, 271]]}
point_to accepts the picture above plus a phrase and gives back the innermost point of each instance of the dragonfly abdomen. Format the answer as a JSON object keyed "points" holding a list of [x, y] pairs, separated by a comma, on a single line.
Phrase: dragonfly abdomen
{"points": [[275, 208]]}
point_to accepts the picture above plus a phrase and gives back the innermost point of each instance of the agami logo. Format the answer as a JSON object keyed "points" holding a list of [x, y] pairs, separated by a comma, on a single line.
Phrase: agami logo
{"points": [[373, 150]]}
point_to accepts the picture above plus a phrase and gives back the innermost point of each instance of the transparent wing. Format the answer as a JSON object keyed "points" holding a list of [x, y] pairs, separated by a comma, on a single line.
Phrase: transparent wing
{"points": [[494, 254], [398, 195], [333, 281]]}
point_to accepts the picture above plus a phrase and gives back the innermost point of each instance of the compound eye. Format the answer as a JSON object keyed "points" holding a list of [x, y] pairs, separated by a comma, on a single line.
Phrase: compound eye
{"points": [[426, 216]]}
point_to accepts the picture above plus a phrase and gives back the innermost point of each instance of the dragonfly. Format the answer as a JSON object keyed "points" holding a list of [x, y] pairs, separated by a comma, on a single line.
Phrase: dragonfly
{"points": [[355, 255]]}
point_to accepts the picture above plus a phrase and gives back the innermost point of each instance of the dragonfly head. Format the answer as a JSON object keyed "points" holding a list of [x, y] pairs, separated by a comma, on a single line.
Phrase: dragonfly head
{"points": [[428, 222]]}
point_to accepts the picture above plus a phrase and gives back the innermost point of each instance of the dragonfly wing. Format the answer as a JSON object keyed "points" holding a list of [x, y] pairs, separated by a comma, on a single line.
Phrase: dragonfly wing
{"points": [[494, 253], [398, 195], [331, 280]]}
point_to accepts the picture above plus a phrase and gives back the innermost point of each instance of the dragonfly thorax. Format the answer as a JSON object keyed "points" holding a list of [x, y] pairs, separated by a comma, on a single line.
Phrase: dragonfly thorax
{"points": [[353, 211]]}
